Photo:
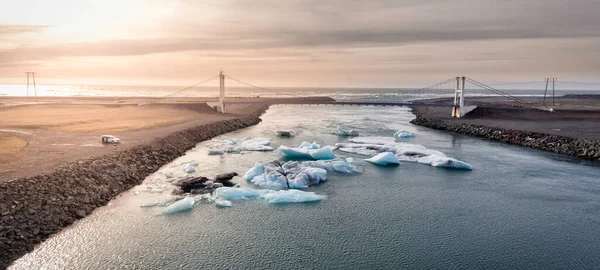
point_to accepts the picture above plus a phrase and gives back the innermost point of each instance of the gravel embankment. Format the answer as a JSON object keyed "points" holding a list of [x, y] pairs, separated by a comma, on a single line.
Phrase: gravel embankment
{"points": [[583, 148], [34, 208]]}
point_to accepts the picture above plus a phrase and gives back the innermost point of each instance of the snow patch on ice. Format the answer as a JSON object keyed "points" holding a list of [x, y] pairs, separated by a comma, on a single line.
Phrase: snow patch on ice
{"points": [[291, 196], [232, 145], [345, 132], [386, 158]]}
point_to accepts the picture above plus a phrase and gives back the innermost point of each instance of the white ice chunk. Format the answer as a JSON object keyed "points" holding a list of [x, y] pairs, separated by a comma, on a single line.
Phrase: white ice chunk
{"points": [[223, 203], [149, 204], [445, 162], [299, 176], [230, 145], [189, 168], [387, 158], [307, 145], [291, 196], [184, 204], [404, 134], [373, 140], [345, 132], [332, 165], [233, 194]]}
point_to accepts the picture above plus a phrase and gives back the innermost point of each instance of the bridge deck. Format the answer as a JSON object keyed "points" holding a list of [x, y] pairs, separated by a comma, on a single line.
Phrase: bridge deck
{"points": [[350, 103]]}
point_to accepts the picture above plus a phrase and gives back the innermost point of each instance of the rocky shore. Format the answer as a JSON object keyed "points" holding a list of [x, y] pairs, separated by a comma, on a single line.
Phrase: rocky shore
{"points": [[34, 208], [583, 148]]}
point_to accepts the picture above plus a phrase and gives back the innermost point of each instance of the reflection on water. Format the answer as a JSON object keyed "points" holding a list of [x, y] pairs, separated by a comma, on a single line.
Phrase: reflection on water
{"points": [[518, 208]]}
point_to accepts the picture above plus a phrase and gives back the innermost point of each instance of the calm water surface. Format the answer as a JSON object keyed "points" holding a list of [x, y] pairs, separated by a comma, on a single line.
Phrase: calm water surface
{"points": [[518, 208]]}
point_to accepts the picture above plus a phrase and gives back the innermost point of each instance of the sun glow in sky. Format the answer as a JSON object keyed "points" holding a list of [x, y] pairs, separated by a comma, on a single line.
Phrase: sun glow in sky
{"points": [[389, 43]]}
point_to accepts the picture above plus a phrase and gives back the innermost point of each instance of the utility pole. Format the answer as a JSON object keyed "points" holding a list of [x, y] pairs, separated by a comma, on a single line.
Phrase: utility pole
{"points": [[553, 82], [546, 90], [32, 74], [222, 91]]}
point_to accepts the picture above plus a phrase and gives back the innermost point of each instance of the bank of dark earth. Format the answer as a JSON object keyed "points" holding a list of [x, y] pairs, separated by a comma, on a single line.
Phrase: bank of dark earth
{"points": [[583, 148], [34, 208]]}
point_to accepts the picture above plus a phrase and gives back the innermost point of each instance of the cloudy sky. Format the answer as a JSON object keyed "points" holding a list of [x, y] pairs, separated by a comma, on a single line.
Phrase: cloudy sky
{"points": [[390, 43]]}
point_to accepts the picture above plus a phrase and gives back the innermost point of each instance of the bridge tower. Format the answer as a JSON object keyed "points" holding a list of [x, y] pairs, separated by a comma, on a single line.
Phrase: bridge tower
{"points": [[222, 91], [459, 97]]}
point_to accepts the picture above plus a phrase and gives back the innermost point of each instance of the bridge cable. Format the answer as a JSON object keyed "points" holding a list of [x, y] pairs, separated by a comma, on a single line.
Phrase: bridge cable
{"points": [[188, 87], [262, 88], [504, 94]]}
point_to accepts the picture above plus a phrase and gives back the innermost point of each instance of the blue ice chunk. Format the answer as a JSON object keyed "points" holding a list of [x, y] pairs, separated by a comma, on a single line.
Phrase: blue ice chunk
{"points": [[233, 194], [294, 152], [291, 196], [386, 158], [258, 169], [404, 134], [323, 153], [184, 204]]}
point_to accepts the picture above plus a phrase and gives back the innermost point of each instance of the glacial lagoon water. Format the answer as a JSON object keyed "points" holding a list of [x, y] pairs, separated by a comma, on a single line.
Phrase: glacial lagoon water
{"points": [[517, 208]]}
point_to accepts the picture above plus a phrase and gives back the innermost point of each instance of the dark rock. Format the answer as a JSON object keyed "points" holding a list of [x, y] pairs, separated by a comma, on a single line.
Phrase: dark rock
{"points": [[189, 183], [225, 177]]}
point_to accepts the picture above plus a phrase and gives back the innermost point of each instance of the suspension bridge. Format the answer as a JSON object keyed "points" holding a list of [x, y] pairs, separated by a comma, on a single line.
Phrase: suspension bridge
{"points": [[459, 86]]}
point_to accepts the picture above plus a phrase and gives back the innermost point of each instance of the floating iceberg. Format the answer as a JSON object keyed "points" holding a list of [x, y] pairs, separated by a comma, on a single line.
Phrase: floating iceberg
{"points": [[386, 158], [404, 134], [291, 196], [307, 151], [345, 132], [234, 194], [332, 165], [292, 174], [230, 145], [299, 176], [372, 146], [444, 162], [223, 203], [188, 168], [184, 204], [149, 204]]}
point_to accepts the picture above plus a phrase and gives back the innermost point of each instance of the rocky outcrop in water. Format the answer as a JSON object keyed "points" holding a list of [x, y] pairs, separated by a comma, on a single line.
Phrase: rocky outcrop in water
{"points": [[34, 208], [583, 148]]}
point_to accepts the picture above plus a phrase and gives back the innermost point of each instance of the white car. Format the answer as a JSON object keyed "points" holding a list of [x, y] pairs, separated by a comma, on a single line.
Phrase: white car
{"points": [[110, 139]]}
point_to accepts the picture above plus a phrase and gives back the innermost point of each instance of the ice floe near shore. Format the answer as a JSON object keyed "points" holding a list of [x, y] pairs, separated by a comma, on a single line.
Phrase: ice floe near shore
{"points": [[308, 150], [404, 134], [373, 146], [231, 145], [345, 132]]}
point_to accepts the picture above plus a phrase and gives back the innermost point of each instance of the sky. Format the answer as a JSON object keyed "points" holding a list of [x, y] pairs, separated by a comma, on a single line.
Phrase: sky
{"points": [[328, 43]]}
